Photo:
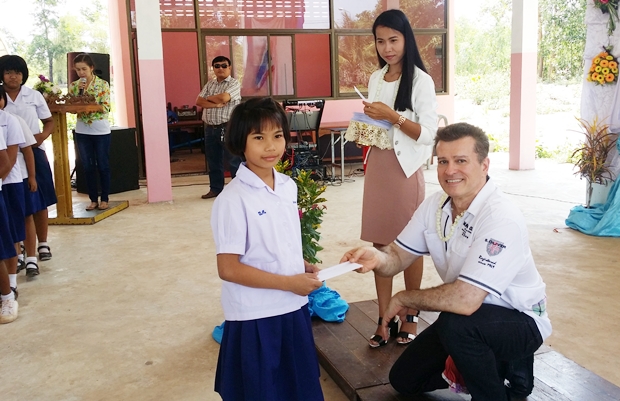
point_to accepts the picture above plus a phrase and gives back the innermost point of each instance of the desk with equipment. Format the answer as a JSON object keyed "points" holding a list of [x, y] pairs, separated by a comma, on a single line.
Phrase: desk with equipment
{"points": [[337, 128], [304, 118]]}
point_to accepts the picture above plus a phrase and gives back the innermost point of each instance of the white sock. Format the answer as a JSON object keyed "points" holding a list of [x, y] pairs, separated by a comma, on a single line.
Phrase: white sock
{"points": [[42, 244], [13, 280], [20, 257], [31, 259], [9, 297]]}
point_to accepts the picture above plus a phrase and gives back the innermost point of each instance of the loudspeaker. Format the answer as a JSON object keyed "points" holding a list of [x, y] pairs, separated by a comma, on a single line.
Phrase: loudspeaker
{"points": [[123, 163], [101, 61]]}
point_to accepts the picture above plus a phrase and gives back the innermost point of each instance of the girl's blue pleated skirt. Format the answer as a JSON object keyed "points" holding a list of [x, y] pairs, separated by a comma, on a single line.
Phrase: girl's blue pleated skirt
{"points": [[270, 359], [33, 201], [13, 195], [7, 246], [45, 182]]}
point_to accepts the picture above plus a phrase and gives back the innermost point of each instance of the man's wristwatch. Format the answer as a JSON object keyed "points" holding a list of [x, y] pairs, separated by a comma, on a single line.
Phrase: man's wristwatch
{"points": [[401, 121]]}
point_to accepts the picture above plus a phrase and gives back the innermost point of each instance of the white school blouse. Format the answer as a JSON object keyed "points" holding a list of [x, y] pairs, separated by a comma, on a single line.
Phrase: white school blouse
{"points": [[12, 133], [2, 147], [489, 249], [32, 107], [262, 226], [29, 141]]}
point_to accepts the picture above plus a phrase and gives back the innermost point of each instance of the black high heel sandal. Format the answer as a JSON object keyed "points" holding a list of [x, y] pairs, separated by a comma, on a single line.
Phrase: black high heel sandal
{"points": [[392, 330], [406, 335]]}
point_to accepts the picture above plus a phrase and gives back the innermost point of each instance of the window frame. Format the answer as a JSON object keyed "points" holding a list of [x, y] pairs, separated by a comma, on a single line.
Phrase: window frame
{"points": [[334, 35]]}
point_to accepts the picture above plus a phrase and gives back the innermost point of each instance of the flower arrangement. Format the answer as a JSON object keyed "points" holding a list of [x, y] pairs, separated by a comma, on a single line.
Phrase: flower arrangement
{"points": [[46, 87], [590, 157], [310, 209], [609, 7], [604, 68]]}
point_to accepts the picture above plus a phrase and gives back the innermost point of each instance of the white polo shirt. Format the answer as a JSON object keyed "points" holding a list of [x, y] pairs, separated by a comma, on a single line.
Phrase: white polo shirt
{"points": [[29, 141], [12, 133], [489, 249], [262, 226], [2, 147], [32, 107]]}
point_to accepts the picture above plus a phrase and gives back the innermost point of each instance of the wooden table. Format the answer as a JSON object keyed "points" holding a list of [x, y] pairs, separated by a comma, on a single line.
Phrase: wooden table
{"points": [[68, 213], [196, 125]]}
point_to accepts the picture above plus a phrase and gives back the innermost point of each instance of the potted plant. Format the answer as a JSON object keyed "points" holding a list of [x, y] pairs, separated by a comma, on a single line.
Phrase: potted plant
{"points": [[590, 159], [309, 203]]}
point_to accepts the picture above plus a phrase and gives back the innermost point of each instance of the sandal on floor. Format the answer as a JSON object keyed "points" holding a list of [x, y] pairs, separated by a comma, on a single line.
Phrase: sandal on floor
{"points": [[44, 253], [392, 329], [32, 269], [92, 206], [406, 336], [103, 205]]}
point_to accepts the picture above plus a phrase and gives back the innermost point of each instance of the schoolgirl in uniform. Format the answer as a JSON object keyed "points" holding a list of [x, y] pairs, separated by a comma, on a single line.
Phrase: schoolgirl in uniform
{"points": [[32, 107], [31, 200], [12, 189], [9, 306], [267, 350]]}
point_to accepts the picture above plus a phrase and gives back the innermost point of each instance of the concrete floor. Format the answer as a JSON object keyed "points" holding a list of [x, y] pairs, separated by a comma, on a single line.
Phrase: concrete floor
{"points": [[126, 307]]}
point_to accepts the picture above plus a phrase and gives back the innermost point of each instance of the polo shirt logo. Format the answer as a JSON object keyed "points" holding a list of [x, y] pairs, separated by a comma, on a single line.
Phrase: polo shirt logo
{"points": [[494, 247], [262, 212]]}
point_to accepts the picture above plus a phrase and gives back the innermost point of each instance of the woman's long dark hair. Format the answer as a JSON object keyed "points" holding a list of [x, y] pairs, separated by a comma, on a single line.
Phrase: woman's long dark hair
{"points": [[398, 21]]}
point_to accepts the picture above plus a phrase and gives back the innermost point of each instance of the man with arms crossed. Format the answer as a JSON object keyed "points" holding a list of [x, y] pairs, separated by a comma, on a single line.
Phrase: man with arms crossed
{"points": [[492, 303], [218, 98]]}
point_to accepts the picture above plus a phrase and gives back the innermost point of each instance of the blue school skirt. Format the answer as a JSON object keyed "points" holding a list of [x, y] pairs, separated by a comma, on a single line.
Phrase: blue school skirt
{"points": [[7, 247], [13, 195], [32, 200], [45, 182], [269, 359]]}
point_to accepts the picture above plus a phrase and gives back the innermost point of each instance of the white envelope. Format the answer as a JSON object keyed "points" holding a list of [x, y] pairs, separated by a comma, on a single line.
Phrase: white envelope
{"points": [[337, 270]]}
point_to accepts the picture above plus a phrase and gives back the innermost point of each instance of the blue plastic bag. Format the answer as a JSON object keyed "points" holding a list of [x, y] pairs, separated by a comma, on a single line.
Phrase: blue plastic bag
{"points": [[218, 331], [327, 304]]}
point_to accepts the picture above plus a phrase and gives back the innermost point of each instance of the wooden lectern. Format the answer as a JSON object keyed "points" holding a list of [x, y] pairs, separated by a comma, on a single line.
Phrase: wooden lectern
{"points": [[68, 213]]}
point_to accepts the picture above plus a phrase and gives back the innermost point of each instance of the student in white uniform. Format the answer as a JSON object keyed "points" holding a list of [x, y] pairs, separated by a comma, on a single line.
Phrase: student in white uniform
{"points": [[32, 107], [492, 303], [267, 351], [25, 162], [13, 189], [9, 306]]}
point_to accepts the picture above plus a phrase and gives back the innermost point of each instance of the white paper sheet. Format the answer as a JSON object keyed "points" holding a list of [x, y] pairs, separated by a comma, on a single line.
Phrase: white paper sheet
{"points": [[359, 93], [337, 270]]}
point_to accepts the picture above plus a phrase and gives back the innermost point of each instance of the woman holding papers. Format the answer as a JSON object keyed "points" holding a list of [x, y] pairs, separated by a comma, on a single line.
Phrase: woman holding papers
{"points": [[402, 93]]}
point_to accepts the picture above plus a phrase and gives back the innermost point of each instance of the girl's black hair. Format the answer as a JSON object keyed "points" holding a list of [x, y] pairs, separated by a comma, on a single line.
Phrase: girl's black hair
{"points": [[84, 58], [252, 116], [398, 21], [3, 95], [11, 62]]}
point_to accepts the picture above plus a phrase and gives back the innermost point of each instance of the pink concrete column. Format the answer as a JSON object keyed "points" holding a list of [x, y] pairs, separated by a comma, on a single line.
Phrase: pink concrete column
{"points": [[120, 42], [153, 101], [523, 84]]}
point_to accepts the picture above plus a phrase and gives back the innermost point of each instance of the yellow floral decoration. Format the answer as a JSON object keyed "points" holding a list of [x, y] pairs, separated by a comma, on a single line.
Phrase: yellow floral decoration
{"points": [[604, 68]]}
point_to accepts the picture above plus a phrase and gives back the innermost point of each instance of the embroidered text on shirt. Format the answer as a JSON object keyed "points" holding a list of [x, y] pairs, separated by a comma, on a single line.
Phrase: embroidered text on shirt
{"points": [[486, 262]]}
